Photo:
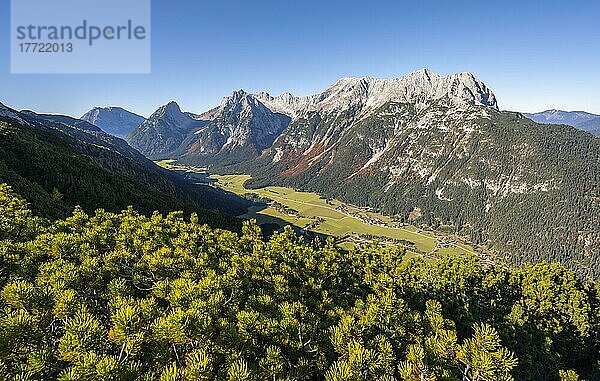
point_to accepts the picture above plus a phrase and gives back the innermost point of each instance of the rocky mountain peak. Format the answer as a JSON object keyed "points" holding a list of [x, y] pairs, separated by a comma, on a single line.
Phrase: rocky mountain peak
{"points": [[419, 87], [235, 97], [166, 110], [171, 114], [163, 131], [237, 130], [114, 120], [425, 73], [172, 108], [467, 87]]}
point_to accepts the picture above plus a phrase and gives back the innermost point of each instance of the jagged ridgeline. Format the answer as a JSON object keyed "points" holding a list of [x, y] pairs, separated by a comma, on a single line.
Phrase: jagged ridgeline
{"points": [[128, 297], [433, 148], [59, 162]]}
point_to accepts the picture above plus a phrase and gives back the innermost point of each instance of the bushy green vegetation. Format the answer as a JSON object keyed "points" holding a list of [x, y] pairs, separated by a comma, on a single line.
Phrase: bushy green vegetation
{"points": [[126, 297]]}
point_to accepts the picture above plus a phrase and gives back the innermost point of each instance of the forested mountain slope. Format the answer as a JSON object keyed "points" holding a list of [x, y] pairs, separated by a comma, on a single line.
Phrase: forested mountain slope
{"points": [[128, 297], [59, 162], [530, 190], [438, 151]]}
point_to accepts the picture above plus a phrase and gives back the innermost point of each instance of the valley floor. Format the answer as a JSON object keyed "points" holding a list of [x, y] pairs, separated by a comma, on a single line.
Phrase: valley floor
{"points": [[350, 225]]}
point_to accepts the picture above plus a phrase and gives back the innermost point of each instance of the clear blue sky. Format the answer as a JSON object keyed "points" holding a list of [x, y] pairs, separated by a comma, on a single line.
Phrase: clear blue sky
{"points": [[533, 54]]}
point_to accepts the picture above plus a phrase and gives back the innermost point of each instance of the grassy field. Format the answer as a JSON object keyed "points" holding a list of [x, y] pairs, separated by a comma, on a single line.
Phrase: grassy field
{"points": [[350, 224], [167, 164]]}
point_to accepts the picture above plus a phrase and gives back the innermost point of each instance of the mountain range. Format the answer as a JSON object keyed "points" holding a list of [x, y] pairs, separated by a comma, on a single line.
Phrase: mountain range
{"points": [[245, 124], [582, 120], [435, 150], [59, 162], [431, 150]]}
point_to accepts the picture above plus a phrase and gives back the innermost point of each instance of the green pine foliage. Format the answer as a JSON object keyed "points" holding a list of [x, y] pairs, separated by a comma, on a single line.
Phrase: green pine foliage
{"points": [[123, 296]]}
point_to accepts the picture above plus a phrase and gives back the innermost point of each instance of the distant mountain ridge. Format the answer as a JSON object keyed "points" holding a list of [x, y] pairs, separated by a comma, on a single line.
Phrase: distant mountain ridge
{"points": [[245, 124], [582, 120], [59, 162], [368, 93], [113, 120], [592, 126]]}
